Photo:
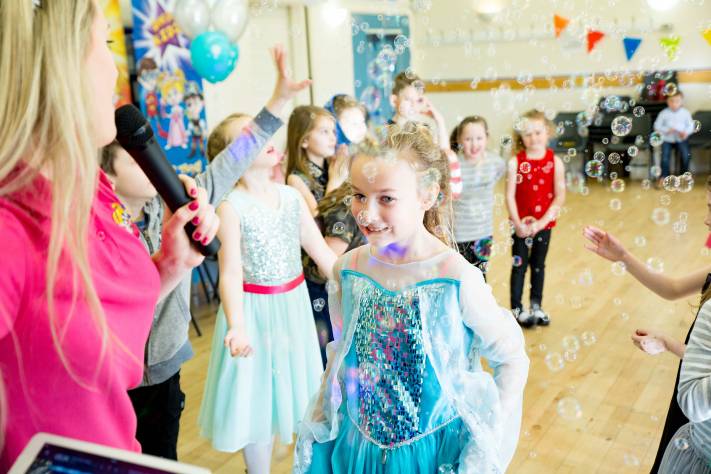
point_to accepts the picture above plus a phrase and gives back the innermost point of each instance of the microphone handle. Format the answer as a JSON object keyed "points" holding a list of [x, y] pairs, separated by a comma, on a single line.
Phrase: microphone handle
{"points": [[163, 177]]}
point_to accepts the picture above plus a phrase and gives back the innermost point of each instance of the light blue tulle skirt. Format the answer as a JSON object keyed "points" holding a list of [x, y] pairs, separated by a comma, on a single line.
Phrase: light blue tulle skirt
{"points": [[251, 400], [351, 452]]}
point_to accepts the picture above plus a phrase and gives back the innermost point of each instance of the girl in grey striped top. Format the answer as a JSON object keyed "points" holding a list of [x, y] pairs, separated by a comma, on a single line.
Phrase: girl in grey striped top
{"points": [[473, 211]]}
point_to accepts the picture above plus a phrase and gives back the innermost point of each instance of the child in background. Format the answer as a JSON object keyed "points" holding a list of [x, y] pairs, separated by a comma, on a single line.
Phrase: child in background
{"points": [[675, 125], [535, 193], [410, 104], [311, 146], [334, 218], [264, 364], [159, 400], [473, 211], [401, 391]]}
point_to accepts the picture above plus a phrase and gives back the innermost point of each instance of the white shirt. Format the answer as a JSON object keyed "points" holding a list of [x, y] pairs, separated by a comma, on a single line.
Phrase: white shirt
{"points": [[669, 120]]}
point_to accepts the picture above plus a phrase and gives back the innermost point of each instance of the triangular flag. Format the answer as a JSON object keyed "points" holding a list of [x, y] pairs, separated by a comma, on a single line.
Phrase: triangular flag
{"points": [[559, 23], [593, 37], [707, 35], [670, 45], [631, 45]]}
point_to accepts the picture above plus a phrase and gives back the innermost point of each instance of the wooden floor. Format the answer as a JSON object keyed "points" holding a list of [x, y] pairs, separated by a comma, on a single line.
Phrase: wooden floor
{"points": [[622, 393]]}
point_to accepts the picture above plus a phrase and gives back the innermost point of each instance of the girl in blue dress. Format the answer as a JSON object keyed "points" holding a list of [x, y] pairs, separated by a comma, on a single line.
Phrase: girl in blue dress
{"points": [[404, 390]]}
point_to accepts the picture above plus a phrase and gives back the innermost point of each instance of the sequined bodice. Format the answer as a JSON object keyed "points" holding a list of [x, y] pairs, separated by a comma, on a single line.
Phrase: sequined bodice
{"points": [[270, 237], [391, 358]]}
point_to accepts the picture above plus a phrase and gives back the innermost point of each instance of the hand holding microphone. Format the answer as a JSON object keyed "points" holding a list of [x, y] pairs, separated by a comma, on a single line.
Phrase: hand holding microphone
{"points": [[187, 202]]}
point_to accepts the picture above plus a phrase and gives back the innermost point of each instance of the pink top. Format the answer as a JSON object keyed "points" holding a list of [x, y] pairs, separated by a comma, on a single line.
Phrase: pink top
{"points": [[41, 394]]}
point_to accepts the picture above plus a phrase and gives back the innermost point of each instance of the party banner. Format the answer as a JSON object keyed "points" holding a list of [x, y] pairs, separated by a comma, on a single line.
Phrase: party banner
{"points": [[707, 35], [112, 12], [631, 46], [593, 38], [670, 45], [559, 24], [171, 94]]}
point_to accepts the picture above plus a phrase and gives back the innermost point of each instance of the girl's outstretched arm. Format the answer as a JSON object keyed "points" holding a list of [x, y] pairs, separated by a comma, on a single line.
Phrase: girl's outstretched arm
{"points": [[608, 247]]}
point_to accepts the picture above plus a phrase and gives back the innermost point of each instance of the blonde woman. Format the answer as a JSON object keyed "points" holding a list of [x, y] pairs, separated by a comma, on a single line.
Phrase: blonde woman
{"points": [[77, 289]]}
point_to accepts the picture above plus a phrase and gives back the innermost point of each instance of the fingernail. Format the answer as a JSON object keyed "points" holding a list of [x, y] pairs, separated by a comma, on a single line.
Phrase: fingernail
{"points": [[194, 206], [193, 192], [204, 241], [197, 236], [196, 220]]}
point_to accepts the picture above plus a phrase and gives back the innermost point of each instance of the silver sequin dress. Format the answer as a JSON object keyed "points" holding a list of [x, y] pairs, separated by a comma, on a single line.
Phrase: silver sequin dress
{"points": [[250, 400]]}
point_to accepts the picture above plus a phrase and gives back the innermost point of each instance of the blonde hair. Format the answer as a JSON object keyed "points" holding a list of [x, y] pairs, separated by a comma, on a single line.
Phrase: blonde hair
{"points": [[301, 122], [46, 46], [171, 81], [404, 80], [344, 102], [431, 165], [519, 128], [218, 139]]}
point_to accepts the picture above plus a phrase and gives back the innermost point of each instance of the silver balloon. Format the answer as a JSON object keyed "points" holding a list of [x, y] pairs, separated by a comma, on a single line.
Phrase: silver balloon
{"points": [[230, 17], [192, 16]]}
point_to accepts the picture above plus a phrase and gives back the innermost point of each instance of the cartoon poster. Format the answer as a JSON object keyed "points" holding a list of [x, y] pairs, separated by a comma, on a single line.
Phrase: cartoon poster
{"points": [[170, 90], [112, 11]]}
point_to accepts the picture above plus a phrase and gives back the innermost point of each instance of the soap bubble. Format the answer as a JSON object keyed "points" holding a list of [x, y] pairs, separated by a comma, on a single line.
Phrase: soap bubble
{"points": [[571, 343], [631, 460], [670, 89], [319, 304], [617, 185], [594, 168], [638, 111], [614, 158], [686, 182], [619, 268], [681, 444], [599, 156], [621, 125], [517, 261], [554, 361], [569, 408], [640, 241], [570, 356], [632, 151], [615, 204], [339, 228], [525, 167], [655, 264], [588, 338], [660, 216], [655, 139], [670, 183]]}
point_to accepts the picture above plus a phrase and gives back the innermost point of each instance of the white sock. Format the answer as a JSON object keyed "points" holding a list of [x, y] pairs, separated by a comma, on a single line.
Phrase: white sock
{"points": [[258, 458]]}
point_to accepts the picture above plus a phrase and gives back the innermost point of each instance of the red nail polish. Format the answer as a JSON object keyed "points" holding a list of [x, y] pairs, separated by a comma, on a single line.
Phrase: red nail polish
{"points": [[197, 236], [193, 192], [194, 206], [196, 220], [204, 241]]}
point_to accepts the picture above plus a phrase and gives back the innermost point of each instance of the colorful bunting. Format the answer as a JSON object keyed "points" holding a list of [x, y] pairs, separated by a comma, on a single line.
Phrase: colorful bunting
{"points": [[560, 23], [707, 35], [670, 45], [631, 45], [594, 37]]}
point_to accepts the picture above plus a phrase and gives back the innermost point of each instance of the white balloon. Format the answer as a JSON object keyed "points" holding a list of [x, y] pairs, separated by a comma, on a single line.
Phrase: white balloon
{"points": [[192, 16], [230, 17]]}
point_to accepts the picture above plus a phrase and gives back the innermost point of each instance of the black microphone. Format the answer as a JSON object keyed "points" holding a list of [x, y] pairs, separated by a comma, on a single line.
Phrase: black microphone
{"points": [[136, 136]]}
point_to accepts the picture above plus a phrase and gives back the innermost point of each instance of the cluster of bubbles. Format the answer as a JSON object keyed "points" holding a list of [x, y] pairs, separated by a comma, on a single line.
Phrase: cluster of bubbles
{"points": [[682, 184], [555, 361]]}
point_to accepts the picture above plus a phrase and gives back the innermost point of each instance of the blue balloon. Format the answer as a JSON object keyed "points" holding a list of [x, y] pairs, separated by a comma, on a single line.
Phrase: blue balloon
{"points": [[213, 55]]}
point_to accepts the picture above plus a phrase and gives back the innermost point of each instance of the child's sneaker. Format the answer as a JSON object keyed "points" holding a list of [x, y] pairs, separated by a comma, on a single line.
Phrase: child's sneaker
{"points": [[523, 317], [539, 316]]}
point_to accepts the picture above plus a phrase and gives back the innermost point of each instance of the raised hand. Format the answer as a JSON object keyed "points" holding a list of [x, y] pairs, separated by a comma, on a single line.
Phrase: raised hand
{"points": [[285, 88], [605, 245]]}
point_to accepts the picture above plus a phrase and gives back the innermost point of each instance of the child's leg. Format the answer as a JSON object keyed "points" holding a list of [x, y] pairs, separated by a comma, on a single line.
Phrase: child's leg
{"points": [[538, 265], [666, 157], [258, 458], [684, 156], [519, 252]]}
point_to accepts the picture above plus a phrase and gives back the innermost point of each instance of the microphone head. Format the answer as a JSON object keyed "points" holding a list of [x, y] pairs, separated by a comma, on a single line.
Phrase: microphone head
{"points": [[132, 128]]}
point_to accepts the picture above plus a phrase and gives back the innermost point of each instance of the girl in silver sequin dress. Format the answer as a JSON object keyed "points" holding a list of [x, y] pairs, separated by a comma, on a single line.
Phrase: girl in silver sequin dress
{"points": [[404, 390], [265, 363]]}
